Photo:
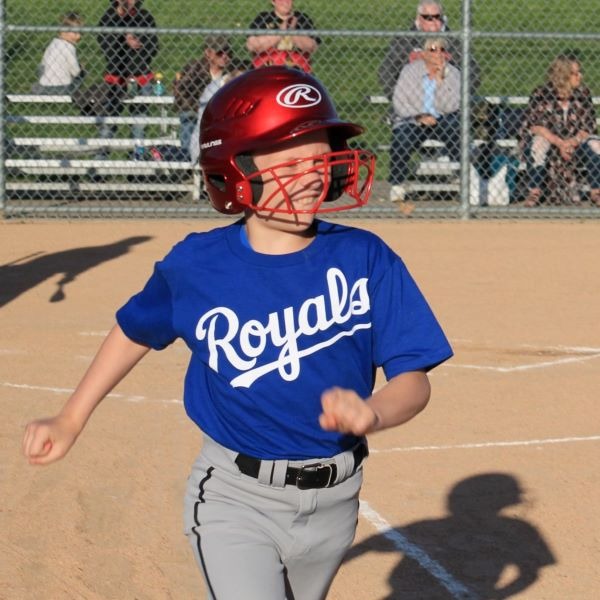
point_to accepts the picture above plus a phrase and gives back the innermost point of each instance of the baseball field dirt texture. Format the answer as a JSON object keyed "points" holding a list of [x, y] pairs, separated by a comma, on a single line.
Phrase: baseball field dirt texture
{"points": [[492, 492]]}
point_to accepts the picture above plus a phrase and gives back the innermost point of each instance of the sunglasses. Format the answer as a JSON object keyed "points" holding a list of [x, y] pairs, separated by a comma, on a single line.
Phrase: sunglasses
{"points": [[431, 17]]}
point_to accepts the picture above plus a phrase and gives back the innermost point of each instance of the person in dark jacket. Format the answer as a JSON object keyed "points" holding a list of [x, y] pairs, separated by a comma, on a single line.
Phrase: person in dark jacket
{"points": [[128, 55]]}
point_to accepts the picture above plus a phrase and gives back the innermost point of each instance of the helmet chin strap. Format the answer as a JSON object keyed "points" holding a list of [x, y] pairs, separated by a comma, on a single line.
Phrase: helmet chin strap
{"points": [[247, 165], [339, 173]]}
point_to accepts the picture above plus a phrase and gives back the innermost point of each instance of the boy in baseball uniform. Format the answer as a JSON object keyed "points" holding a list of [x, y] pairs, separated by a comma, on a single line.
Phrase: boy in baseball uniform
{"points": [[287, 318]]}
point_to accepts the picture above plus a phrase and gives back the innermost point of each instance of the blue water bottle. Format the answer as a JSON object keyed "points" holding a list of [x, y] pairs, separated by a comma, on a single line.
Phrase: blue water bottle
{"points": [[139, 152], [159, 86]]}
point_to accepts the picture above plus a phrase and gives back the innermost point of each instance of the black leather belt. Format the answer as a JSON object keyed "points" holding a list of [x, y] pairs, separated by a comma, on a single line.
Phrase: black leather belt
{"points": [[313, 476]]}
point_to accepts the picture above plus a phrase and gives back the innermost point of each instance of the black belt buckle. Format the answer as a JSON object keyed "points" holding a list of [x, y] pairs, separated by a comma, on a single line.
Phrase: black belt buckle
{"points": [[315, 476]]}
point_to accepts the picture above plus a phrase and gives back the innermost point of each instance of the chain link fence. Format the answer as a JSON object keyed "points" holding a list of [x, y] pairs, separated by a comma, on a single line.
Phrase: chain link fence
{"points": [[100, 100]]}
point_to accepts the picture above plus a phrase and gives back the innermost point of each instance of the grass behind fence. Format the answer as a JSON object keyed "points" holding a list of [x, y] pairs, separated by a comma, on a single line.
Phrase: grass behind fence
{"points": [[356, 57]]}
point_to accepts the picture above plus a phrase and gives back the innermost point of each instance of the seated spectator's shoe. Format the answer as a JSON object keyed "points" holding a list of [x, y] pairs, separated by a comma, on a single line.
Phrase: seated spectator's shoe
{"points": [[397, 193], [533, 198]]}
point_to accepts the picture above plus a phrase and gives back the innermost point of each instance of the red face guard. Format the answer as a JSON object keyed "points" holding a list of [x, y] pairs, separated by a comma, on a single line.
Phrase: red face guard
{"points": [[346, 178]]}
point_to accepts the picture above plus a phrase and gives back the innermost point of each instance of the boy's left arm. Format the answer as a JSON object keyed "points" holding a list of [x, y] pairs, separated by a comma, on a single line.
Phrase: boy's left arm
{"points": [[399, 400]]}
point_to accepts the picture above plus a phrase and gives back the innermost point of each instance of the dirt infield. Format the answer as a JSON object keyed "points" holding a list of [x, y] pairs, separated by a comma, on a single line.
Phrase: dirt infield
{"points": [[493, 492]]}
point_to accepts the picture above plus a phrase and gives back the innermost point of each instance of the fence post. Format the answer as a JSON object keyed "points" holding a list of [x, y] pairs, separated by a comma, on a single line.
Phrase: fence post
{"points": [[465, 109], [2, 144]]}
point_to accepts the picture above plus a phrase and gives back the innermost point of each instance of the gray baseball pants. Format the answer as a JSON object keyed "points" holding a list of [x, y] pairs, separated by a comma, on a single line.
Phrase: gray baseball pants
{"points": [[258, 539]]}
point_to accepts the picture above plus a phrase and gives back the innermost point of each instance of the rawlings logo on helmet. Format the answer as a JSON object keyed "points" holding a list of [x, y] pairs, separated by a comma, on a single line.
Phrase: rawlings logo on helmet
{"points": [[298, 95]]}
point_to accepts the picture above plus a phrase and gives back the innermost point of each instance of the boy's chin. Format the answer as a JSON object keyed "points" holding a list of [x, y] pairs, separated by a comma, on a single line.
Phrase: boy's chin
{"points": [[294, 223]]}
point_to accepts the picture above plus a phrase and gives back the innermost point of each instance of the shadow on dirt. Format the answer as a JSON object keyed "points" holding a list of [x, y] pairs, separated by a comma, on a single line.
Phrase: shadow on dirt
{"points": [[25, 273], [474, 553]]}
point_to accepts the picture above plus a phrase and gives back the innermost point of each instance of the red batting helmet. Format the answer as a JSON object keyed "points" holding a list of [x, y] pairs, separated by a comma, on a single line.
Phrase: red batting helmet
{"points": [[265, 107]]}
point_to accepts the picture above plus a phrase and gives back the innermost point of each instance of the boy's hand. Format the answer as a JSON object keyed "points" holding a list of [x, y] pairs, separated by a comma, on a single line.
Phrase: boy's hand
{"points": [[345, 411], [48, 440]]}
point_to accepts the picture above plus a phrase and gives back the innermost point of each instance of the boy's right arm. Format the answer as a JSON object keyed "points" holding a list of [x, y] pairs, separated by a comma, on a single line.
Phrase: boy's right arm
{"points": [[47, 440]]}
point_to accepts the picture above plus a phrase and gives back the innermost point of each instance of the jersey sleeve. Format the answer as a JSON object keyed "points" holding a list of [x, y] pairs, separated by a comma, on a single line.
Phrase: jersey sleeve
{"points": [[406, 333], [147, 318]]}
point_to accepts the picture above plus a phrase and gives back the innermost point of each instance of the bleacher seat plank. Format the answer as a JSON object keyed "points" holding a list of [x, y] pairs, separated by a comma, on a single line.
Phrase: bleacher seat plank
{"points": [[63, 163], [65, 99], [80, 120], [516, 100], [58, 186], [62, 144]]}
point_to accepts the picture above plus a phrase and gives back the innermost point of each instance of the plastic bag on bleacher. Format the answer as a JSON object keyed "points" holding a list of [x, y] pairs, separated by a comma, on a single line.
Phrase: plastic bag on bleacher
{"points": [[489, 192]]}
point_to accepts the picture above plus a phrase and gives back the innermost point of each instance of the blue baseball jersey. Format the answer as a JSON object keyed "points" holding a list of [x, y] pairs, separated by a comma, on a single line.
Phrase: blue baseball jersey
{"points": [[269, 334]]}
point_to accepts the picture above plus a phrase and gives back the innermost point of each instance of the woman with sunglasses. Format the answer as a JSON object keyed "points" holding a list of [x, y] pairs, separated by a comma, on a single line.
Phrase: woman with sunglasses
{"points": [[403, 49]]}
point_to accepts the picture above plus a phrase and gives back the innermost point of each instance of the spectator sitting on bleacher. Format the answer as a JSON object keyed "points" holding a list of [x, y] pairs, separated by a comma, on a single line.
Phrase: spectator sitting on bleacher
{"points": [[209, 76], [430, 18], [292, 50], [558, 136], [236, 68], [194, 77], [128, 56], [425, 102], [60, 71]]}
